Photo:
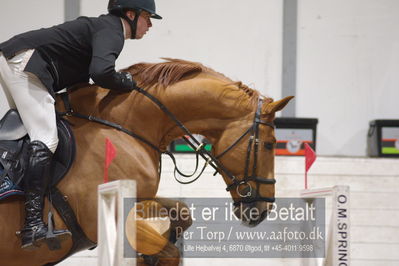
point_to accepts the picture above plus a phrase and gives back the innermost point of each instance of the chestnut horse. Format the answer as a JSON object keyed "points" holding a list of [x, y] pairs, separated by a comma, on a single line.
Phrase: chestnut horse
{"points": [[206, 102]]}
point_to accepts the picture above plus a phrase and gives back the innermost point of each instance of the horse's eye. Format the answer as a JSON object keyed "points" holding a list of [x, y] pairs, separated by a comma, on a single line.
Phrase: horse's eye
{"points": [[269, 145]]}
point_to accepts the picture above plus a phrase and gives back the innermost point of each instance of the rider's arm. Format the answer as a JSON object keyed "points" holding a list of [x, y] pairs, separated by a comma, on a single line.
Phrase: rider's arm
{"points": [[106, 48]]}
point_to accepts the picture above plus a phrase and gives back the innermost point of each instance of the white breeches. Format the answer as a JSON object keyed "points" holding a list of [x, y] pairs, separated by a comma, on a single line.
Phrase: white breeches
{"points": [[27, 93]]}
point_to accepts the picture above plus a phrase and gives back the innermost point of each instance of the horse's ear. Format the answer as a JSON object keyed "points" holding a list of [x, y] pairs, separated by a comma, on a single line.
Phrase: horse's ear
{"points": [[276, 106]]}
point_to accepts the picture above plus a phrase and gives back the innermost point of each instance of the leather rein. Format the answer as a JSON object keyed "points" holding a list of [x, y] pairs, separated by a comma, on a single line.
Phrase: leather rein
{"points": [[253, 147]]}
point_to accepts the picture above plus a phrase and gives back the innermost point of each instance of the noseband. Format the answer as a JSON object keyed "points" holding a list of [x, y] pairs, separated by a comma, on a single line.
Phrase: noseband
{"points": [[214, 161]]}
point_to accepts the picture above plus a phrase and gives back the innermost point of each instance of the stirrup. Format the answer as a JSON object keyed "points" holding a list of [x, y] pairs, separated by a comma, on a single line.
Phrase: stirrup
{"points": [[55, 237], [32, 245]]}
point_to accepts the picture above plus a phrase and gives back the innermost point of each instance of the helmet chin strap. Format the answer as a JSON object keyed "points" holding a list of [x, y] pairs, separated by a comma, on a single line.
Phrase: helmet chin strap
{"points": [[133, 23]]}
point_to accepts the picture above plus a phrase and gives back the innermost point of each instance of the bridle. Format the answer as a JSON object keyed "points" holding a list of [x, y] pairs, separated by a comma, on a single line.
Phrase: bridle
{"points": [[253, 147]]}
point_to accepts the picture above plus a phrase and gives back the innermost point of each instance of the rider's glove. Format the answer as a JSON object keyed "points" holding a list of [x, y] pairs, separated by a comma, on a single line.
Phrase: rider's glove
{"points": [[118, 81], [127, 82]]}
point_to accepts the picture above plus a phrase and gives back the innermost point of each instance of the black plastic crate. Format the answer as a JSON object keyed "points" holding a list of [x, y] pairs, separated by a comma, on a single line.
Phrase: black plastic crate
{"points": [[293, 133], [383, 138]]}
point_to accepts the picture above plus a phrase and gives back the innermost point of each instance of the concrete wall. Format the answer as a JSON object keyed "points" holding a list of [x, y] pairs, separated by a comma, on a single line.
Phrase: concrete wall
{"points": [[347, 69], [236, 39], [347, 56], [348, 53], [17, 16]]}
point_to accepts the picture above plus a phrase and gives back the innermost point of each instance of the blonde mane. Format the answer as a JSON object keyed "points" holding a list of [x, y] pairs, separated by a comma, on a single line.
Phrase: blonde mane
{"points": [[173, 70]]}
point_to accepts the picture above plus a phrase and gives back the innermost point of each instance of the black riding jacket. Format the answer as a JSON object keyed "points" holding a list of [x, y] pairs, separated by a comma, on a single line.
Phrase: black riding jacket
{"points": [[73, 52]]}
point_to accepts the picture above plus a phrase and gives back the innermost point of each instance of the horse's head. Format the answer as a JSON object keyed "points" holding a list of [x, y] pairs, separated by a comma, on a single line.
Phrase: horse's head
{"points": [[231, 116], [246, 152]]}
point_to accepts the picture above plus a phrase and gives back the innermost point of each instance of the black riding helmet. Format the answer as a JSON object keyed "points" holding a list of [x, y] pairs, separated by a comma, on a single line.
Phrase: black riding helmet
{"points": [[119, 8]]}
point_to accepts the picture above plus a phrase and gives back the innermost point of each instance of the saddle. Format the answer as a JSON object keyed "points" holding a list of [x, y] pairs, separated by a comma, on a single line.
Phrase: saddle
{"points": [[13, 145]]}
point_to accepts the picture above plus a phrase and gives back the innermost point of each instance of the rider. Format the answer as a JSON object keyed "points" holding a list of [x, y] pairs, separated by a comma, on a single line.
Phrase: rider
{"points": [[35, 64]]}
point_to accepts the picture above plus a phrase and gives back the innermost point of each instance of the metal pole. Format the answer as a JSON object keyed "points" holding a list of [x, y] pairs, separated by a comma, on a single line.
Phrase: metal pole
{"points": [[290, 26], [71, 9]]}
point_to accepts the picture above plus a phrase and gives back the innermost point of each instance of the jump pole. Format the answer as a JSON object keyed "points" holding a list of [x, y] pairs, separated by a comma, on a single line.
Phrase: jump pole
{"points": [[338, 239], [111, 224]]}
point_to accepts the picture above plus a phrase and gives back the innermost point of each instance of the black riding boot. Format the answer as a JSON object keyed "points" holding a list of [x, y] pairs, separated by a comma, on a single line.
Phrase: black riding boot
{"points": [[37, 178]]}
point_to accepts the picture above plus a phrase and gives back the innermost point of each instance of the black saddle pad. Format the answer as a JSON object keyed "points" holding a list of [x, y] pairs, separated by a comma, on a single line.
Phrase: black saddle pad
{"points": [[62, 159], [65, 154]]}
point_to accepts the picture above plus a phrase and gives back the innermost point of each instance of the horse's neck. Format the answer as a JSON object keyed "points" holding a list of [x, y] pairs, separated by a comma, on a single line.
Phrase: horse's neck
{"points": [[205, 105]]}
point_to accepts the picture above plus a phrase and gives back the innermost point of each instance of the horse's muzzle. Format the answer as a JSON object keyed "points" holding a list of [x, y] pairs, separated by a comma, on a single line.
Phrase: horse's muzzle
{"points": [[251, 214]]}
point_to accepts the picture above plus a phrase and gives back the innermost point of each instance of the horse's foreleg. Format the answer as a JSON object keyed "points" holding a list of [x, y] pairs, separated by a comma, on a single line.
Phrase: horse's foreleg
{"points": [[170, 254], [184, 221]]}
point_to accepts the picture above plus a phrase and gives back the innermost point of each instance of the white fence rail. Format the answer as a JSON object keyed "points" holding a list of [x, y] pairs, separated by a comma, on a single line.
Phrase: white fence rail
{"points": [[338, 238], [111, 222]]}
